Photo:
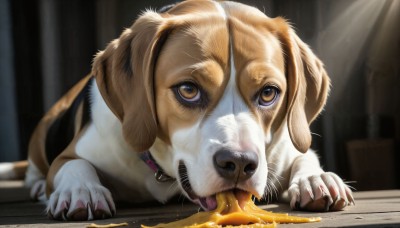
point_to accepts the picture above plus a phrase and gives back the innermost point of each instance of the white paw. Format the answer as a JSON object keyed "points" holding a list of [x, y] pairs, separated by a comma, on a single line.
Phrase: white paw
{"points": [[82, 201], [325, 192], [78, 194]]}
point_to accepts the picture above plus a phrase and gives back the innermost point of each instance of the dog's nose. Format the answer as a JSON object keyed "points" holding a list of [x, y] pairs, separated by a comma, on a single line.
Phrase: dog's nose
{"points": [[235, 166]]}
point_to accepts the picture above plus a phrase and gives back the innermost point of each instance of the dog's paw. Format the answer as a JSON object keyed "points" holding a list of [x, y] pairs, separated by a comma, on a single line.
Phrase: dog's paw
{"points": [[325, 192], [85, 201]]}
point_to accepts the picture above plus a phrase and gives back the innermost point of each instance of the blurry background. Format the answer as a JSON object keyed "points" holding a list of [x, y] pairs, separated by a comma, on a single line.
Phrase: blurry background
{"points": [[47, 45]]}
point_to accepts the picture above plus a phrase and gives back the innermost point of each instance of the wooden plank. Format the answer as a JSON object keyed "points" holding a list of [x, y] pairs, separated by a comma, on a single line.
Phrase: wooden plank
{"points": [[13, 191], [374, 208]]}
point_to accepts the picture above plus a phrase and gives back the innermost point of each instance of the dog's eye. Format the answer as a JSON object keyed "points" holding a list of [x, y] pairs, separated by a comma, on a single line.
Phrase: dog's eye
{"points": [[190, 95], [189, 92], [268, 95]]}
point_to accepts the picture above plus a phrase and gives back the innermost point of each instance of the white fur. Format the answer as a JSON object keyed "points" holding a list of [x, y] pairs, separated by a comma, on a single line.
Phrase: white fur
{"points": [[33, 174], [7, 171]]}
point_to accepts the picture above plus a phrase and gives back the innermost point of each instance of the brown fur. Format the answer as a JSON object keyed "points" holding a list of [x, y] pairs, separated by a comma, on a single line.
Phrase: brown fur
{"points": [[36, 150], [308, 86], [20, 169]]}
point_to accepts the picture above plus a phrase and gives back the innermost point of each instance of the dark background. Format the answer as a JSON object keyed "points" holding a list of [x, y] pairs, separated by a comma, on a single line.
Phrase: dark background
{"points": [[47, 45]]}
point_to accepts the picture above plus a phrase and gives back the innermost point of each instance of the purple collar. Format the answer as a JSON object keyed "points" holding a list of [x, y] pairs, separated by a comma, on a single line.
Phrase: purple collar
{"points": [[159, 174]]}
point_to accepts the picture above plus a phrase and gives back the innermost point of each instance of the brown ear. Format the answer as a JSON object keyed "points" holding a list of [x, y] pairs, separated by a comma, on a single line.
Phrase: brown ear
{"points": [[124, 74], [308, 88]]}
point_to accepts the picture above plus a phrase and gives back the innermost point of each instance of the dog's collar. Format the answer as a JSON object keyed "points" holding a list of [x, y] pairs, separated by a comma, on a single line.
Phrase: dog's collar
{"points": [[159, 174]]}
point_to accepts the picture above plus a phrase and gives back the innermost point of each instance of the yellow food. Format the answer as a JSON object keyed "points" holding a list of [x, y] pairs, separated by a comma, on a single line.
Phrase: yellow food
{"points": [[94, 225], [229, 214]]}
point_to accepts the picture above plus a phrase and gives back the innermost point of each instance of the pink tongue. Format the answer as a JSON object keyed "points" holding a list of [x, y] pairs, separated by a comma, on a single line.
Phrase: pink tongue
{"points": [[209, 203]]}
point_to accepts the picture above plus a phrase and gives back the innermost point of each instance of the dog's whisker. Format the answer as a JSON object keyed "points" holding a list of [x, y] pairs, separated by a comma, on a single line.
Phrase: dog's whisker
{"points": [[272, 190], [272, 174], [173, 187], [275, 191], [313, 133], [266, 193]]}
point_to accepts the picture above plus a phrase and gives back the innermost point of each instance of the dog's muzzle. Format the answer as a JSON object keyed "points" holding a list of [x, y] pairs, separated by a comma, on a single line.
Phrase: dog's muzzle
{"points": [[233, 167]]}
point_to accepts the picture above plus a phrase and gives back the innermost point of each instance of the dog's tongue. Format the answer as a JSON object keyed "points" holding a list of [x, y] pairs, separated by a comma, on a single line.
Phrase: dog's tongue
{"points": [[209, 203]]}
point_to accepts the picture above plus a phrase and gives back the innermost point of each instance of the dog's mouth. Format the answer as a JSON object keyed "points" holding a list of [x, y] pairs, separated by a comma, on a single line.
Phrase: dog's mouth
{"points": [[208, 203]]}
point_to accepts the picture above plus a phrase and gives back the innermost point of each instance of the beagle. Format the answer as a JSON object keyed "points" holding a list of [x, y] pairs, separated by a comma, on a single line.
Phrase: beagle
{"points": [[203, 97]]}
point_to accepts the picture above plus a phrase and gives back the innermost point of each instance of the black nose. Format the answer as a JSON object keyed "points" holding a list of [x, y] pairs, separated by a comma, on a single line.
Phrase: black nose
{"points": [[235, 166]]}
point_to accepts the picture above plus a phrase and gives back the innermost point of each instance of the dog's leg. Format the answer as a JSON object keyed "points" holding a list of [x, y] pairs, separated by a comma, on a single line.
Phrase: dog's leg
{"points": [[35, 180], [313, 189], [78, 194]]}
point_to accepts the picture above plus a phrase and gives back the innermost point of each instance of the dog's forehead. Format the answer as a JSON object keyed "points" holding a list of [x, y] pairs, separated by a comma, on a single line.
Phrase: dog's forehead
{"points": [[219, 31]]}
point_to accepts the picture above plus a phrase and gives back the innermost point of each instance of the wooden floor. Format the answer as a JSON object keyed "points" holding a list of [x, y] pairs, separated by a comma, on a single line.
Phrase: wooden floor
{"points": [[372, 209]]}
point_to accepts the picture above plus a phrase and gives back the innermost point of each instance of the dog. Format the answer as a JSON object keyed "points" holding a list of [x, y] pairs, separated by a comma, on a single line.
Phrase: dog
{"points": [[203, 97]]}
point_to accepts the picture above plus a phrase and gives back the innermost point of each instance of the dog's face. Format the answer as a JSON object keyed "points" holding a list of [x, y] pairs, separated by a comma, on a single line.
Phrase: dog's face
{"points": [[216, 102], [213, 81]]}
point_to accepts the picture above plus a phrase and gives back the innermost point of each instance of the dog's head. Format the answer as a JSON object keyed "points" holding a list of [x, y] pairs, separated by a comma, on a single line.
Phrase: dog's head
{"points": [[212, 82]]}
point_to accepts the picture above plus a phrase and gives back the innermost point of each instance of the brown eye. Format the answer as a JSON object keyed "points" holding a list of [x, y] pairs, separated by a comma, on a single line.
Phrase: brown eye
{"points": [[268, 96], [189, 92]]}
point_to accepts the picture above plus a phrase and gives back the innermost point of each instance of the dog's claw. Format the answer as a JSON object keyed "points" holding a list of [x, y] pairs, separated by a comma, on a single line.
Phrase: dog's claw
{"points": [[59, 213], [338, 204], [295, 201], [349, 196], [321, 204], [78, 211], [79, 214], [102, 211], [81, 204], [297, 206]]}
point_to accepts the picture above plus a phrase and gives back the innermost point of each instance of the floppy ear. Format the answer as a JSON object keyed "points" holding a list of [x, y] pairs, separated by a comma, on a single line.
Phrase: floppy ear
{"points": [[124, 74], [308, 88]]}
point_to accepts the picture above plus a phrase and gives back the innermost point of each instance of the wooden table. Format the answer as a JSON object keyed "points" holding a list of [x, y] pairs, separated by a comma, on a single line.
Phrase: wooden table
{"points": [[372, 209]]}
